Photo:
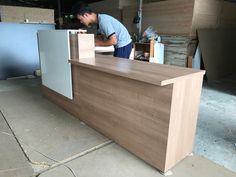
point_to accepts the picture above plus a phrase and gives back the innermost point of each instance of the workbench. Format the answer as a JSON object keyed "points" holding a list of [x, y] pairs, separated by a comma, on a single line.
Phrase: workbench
{"points": [[149, 109]]}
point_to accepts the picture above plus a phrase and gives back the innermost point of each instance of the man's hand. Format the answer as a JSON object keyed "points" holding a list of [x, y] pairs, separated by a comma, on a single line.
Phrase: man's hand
{"points": [[111, 41]]}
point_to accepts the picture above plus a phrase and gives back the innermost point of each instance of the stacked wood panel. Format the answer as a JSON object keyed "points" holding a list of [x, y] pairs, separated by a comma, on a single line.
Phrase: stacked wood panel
{"points": [[228, 15], [173, 21], [180, 19], [213, 14], [28, 14], [112, 7], [175, 52], [183, 17], [218, 52], [168, 17]]}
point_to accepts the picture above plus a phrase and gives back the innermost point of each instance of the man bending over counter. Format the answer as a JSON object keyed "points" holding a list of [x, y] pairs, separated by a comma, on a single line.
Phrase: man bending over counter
{"points": [[114, 32]]}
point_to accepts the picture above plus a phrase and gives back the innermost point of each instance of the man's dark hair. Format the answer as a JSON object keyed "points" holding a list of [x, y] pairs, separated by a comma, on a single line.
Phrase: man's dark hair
{"points": [[80, 8]]}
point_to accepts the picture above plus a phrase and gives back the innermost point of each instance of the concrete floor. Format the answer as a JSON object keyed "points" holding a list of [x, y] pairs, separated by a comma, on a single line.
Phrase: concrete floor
{"points": [[13, 162], [216, 129], [57, 144]]}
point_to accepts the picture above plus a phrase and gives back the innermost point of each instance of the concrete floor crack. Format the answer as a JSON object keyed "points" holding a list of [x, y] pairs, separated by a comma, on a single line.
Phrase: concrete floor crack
{"points": [[58, 163], [45, 164], [13, 133], [63, 162], [19, 142], [5, 133]]}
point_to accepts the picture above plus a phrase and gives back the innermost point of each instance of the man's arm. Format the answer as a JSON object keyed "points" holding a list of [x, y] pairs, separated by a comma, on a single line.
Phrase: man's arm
{"points": [[112, 40]]}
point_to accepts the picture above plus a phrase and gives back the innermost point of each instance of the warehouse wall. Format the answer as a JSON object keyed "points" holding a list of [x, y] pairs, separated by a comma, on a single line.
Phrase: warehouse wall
{"points": [[19, 49]]}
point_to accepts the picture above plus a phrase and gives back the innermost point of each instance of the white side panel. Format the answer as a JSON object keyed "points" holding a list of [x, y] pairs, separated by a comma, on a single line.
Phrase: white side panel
{"points": [[54, 55], [197, 59], [158, 53]]}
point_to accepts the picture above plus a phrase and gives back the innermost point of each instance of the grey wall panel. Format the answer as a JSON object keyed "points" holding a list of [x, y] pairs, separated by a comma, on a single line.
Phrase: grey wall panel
{"points": [[19, 48]]}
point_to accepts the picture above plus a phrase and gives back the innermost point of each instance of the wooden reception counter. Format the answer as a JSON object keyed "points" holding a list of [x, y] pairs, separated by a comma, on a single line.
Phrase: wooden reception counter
{"points": [[149, 109]]}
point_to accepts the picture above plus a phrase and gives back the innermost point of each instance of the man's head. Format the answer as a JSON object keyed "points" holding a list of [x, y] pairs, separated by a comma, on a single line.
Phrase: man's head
{"points": [[83, 13]]}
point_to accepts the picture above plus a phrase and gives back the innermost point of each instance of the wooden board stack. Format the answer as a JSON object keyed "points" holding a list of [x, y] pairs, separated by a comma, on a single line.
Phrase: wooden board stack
{"points": [[218, 52], [26, 14], [172, 20], [114, 8], [213, 14], [168, 17], [177, 21], [175, 52], [183, 17], [177, 49]]}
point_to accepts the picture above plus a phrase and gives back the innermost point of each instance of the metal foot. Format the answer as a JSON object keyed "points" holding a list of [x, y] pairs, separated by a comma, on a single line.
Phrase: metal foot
{"points": [[168, 173]]}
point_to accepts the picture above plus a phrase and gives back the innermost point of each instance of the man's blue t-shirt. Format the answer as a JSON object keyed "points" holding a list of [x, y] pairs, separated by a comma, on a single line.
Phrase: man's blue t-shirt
{"points": [[107, 26]]}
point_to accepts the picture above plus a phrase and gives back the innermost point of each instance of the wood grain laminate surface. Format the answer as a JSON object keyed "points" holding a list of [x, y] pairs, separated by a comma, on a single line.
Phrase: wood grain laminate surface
{"points": [[149, 109], [156, 74]]}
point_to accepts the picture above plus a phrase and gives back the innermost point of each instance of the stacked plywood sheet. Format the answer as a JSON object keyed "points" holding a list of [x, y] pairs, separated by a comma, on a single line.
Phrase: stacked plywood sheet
{"points": [[228, 15], [218, 52], [183, 17], [112, 7], [111, 4], [26, 14], [177, 18], [168, 17], [206, 14], [213, 14], [177, 49]]}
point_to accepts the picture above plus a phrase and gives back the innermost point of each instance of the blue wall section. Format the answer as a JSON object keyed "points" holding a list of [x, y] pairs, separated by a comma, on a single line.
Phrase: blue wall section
{"points": [[19, 48]]}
